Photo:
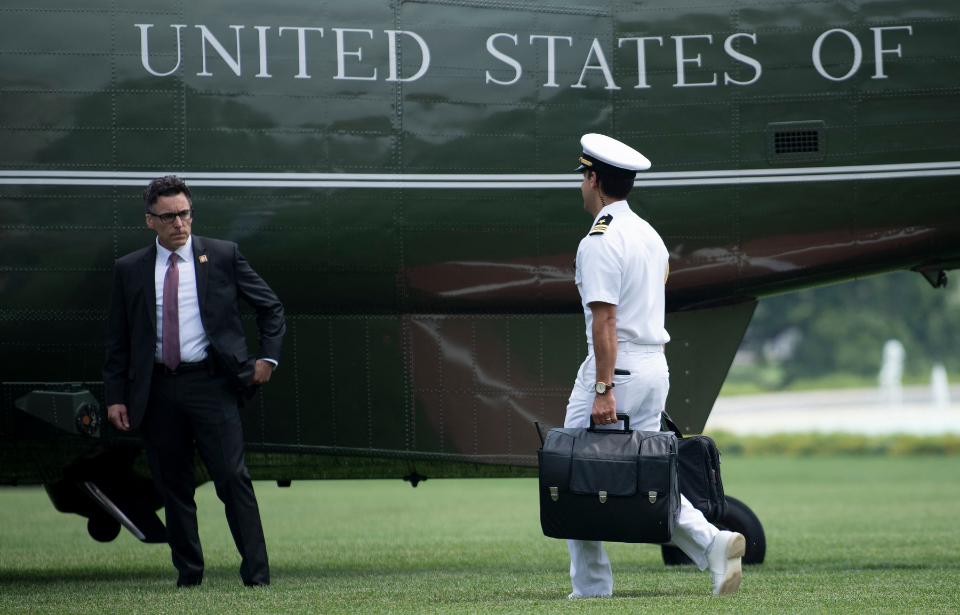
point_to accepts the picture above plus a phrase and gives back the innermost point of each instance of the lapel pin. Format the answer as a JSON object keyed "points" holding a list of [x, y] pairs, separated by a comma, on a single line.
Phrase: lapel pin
{"points": [[203, 258]]}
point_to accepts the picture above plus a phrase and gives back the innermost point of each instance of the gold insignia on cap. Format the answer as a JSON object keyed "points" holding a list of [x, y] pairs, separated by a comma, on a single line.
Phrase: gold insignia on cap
{"points": [[203, 258], [601, 226], [585, 161], [668, 274]]}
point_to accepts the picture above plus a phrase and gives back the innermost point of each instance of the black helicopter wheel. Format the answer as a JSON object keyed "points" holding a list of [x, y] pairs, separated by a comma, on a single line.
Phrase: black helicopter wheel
{"points": [[740, 519], [103, 528]]}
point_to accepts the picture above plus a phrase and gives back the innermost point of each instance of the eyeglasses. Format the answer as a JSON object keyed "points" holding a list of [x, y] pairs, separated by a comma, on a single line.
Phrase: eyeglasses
{"points": [[186, 214]]}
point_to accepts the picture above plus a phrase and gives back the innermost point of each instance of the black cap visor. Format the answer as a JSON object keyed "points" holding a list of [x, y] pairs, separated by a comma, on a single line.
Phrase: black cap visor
{"points": [[589, 163]]}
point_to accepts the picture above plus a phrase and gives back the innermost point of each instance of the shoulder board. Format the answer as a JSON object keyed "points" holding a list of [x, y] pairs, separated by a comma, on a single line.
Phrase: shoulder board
{"points": [[601, 226]]}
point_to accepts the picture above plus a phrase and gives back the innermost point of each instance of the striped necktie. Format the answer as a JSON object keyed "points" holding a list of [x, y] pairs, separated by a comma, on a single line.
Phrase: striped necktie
{"points": [[171, 315]]}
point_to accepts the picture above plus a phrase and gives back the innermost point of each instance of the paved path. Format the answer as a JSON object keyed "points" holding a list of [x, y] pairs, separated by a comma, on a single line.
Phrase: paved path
{"points": [[845, 410]]}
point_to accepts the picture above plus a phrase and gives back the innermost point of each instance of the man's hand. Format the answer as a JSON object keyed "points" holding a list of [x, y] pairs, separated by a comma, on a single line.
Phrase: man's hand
{"points": [[262, 371], [604, 407], [117, 413]]}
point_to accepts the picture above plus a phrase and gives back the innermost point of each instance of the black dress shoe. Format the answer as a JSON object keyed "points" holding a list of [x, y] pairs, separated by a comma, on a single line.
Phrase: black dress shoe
{"points": [[256, 584], [189, 582]]}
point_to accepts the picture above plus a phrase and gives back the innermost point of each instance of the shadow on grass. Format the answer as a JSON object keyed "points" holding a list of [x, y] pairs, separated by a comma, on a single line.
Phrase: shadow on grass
{"points": [[47, 577], [847, 566], [10, 578], [283, 574], [286, 575], [560, 596]]}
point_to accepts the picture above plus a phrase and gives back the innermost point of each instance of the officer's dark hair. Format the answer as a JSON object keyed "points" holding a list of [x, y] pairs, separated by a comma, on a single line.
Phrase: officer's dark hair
{"points": [[615, 187], [171, 185]]}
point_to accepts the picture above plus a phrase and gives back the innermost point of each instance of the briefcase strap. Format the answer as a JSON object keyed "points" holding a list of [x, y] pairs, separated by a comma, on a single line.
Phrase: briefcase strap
{"points": [[671, 426]]}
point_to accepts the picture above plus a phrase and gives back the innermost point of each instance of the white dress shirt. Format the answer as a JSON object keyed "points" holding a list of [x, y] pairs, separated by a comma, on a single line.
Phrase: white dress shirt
{"points": [[627, 267], [193, 339]]}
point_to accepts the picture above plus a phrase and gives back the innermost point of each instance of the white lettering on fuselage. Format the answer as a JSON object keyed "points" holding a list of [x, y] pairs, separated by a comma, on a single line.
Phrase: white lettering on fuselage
{"points": [[503, 58], [392, 49], [641, 57], [207, 37], [145, 48], [262, 34], [688, 59], [342, 54], [878, 49], [302, 48], [552, 57], [857, 54], [596, 51]]}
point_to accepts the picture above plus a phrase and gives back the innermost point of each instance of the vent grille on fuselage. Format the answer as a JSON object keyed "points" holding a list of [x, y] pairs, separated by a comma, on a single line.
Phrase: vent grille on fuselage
{"points": [[796, 142], [792, 142]]}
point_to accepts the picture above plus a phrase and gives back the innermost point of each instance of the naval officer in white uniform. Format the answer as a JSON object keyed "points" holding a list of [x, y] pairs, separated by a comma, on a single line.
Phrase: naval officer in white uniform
{"points": [[621, 272]]}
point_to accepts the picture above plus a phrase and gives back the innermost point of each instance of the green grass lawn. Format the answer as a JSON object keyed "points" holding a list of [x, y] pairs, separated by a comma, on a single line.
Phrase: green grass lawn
{"points": [[859, 535]]}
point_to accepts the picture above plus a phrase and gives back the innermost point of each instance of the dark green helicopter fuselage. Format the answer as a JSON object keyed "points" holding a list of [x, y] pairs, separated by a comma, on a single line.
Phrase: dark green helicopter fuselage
{"points": [[401, 175]]}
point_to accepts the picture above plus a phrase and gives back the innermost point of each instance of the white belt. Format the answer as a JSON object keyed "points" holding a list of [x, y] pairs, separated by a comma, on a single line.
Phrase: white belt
{"points": [[632, 347]]}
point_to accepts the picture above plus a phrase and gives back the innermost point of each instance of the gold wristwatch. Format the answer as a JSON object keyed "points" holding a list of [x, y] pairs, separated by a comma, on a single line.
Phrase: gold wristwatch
{"points": [[602, 387]]}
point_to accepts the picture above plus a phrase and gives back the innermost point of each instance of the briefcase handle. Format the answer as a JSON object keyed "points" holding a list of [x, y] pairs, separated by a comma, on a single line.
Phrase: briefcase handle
{"points": [[620, 417]]}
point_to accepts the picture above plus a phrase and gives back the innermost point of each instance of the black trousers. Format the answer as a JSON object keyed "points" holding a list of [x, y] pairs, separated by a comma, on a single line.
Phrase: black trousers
{"points": [[197, 409]]}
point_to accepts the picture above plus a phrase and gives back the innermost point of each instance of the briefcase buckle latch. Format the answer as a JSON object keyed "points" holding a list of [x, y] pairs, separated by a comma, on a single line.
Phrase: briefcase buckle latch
{"points": [[652, 496], [603, 497], [554, 493]]}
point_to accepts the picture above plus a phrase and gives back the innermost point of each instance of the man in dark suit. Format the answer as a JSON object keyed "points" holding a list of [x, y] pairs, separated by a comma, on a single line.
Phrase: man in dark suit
{"points": [[177, 363]]}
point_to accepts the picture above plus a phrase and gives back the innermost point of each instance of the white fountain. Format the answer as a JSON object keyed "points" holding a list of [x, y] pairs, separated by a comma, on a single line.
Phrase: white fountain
{"points": [[939, 387], [891, 373]]}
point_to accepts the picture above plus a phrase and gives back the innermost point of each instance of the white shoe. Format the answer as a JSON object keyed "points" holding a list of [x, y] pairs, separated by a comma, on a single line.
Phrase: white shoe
{"points": [[724, 562], [575, 596]]}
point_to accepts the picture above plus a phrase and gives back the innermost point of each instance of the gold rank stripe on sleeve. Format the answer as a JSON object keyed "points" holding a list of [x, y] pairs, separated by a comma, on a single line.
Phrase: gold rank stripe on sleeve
{"points": [[667, 274], [601, 226]]}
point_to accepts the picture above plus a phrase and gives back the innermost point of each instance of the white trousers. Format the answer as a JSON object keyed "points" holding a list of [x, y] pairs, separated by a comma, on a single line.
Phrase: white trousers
{"points": [[642, 396]]}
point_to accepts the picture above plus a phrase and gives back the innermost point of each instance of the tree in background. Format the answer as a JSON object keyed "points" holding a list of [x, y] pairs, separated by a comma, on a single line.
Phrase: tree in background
{"points": [[841, 329]]}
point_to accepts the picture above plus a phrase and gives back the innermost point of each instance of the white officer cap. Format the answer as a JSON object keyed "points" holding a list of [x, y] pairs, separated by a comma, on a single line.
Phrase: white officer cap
{"points": [[605, 155]]}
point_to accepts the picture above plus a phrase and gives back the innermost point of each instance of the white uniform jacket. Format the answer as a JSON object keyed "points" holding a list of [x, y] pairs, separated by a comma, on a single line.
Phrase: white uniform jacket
{"points": [[623, 261]]}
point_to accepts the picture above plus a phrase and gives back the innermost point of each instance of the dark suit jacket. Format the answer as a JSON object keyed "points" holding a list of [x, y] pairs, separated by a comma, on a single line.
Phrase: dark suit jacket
{"points": [[222, 280]]}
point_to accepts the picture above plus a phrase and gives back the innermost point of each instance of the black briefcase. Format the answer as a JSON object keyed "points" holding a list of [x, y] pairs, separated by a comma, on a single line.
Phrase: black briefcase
{"points": [[609, 484], [699, 465]]}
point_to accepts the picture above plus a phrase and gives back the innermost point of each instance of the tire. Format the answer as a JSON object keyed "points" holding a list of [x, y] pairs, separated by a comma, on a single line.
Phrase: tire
{"points": [[740, 519], [103, 528]]}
